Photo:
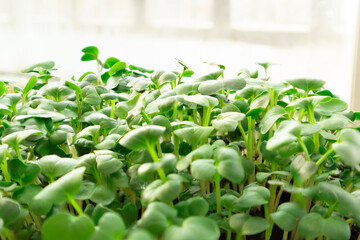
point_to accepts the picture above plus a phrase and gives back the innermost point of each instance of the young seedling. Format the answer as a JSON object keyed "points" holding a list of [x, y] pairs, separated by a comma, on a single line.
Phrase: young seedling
{"points": [[132, 153], [145, 138]]}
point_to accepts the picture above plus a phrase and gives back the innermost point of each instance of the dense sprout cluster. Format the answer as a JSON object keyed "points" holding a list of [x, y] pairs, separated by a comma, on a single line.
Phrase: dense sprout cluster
{"points": [[132, 153]]}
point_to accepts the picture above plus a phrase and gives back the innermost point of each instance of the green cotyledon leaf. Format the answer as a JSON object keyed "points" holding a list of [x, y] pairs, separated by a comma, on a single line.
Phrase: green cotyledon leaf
{"points": [[229, 164], [247, 224], [203, 152], [54, 166], [194, 135], [227, 122], [287, 132], [16, 138], [348, 147], [211, 76], [287, 214], [213, 86], [45, 65], [271, 117], [142, 137], [65, 226], [66, 186], [90, 53], [196, 227], [307, 84], [30, 85]]}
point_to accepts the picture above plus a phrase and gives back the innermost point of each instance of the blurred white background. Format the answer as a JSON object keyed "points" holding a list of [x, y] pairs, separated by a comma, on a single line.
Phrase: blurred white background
{"points": [[307, 38]]}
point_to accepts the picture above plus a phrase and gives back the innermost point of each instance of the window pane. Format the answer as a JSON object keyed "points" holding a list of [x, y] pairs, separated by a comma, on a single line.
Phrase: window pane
{"points": [[109, 12], [307, 38], [5, 10], [175, 13], [270, 15]]}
